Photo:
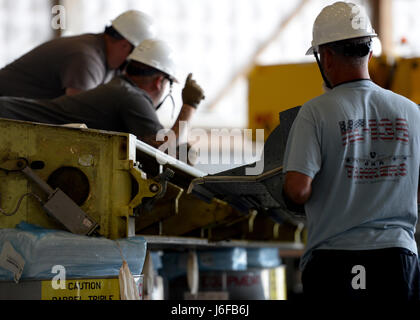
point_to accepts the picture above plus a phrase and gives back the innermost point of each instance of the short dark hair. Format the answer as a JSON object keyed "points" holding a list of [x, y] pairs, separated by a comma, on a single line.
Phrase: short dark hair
{"points": [[352, 48], [351, 51], [110, 30], [135, 68]]}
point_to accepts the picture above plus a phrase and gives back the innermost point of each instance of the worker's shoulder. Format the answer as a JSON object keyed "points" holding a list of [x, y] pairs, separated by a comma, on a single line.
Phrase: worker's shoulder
{"points": [[82, 45], [348, 92], [396, 102], [401, 99], [315, 103]]}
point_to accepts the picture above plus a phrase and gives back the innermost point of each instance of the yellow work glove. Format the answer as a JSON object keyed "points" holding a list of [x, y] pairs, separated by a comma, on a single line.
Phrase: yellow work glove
{"points": [[192, 94]]}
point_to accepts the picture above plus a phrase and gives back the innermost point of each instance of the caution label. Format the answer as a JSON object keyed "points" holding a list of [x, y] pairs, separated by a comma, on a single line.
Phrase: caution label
{"points": [[82, 289]]}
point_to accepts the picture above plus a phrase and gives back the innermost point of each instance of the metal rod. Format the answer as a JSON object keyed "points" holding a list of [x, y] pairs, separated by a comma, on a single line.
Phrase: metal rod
{"points": [[163, 158], [38, 181], [165, 241]]}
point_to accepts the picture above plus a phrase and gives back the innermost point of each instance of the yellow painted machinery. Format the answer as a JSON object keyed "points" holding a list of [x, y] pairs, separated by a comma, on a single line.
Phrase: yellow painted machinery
{"points": [[89, 182], [42, 164], [178, 213], [273, 89], [405, 78]]}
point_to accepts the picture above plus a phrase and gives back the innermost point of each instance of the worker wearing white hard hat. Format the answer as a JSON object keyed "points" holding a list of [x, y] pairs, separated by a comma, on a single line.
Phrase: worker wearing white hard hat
{"points": [[352, 163], [154, 55], [135, 26], [127, 103], [328, 29], [69, 65], [152, 67]]}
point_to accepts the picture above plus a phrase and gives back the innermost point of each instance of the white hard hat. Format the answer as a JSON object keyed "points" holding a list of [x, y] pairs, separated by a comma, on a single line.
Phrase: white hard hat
{"points": [[134, 26], [340, 21], [157, 54]]}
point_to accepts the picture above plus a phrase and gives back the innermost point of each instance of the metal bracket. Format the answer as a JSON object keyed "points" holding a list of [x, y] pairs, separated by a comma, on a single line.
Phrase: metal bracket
{"points": [[150, 190]]}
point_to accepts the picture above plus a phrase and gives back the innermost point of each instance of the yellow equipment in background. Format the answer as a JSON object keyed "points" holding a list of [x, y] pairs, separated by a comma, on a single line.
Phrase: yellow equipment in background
{"points": [[96, 169], [406, 78], [273, 89]]}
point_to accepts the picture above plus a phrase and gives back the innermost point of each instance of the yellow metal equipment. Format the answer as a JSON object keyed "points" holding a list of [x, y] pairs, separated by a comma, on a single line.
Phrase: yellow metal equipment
{"points": [[258, 228], [406, 78], [96, 169], [381, 71], [273, 89], [186, 213], [276, 88]]}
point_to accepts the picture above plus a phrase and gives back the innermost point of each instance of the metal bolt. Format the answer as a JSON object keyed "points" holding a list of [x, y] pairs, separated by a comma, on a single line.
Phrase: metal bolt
{"points": [[154, 188], [138, 165]]}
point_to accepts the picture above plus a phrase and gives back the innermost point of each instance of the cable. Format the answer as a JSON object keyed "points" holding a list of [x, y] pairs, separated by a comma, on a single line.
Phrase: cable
{"points": [[19, 203], [169, 95], [321, 69]]}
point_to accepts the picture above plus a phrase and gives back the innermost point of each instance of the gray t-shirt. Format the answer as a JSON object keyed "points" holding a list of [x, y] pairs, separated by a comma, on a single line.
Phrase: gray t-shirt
{"points": [[45, 72], [361, 145], [116, 106]]}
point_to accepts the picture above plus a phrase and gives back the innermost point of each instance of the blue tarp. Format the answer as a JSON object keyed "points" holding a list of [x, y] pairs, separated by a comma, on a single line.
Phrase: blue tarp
{"points": [[81, 256], [263, 258], [174, 264], [230, 259]]}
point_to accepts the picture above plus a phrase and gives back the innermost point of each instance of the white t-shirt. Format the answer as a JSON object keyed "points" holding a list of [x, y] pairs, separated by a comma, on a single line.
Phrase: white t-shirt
{"points": [[361, 145]]}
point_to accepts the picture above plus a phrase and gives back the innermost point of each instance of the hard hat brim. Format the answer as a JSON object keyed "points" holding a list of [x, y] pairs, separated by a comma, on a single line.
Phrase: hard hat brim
{"points": [[175, 80], [147, 63], [312, 49]]}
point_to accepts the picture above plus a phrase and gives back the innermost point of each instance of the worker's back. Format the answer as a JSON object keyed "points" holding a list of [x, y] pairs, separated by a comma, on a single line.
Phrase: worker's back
{"points": [[47, 70], [116, 106], [364, 194]]}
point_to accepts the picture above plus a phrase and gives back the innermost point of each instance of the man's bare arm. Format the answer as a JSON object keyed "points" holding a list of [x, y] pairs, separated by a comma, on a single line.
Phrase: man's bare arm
{"points": [[298, 187], [185, 115]]}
